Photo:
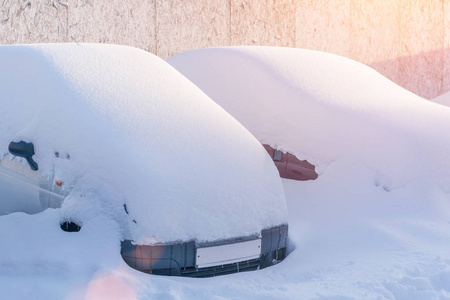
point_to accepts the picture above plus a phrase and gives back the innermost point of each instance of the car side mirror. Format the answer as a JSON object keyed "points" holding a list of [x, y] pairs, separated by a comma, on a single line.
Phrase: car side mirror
{"points": [[25, 150]]}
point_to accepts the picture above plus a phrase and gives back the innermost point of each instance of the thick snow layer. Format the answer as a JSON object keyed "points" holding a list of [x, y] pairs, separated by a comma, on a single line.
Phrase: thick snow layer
{"points": [[131, 130], [349, 238], [323, 107]]}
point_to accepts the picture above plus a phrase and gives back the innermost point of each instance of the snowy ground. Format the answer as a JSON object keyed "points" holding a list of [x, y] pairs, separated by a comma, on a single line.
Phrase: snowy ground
{"points": [[350, 240], [374, 225]]}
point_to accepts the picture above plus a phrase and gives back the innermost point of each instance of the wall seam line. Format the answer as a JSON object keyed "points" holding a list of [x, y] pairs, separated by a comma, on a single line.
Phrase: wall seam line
{"points": [[295, 23], [156, 26], [229, 30]]}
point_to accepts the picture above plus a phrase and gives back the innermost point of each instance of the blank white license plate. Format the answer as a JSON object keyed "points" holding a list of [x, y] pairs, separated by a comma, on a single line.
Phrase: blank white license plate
{"points": [[227, 254]]}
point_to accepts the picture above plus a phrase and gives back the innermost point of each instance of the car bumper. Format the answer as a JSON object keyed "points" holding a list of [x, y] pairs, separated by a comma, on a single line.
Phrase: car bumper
{"points": [[191, 259]]}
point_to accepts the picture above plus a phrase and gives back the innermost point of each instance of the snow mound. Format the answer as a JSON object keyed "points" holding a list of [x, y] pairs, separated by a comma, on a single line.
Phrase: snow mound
{"points": [[323, 108], [132, 130]]}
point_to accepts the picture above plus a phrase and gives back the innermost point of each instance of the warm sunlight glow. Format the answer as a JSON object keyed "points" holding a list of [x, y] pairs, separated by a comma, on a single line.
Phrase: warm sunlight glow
{"points": [[109, 287]]}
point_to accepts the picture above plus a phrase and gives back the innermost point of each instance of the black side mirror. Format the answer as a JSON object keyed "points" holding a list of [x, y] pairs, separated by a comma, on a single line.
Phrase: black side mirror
{"points": [[25, 150]]}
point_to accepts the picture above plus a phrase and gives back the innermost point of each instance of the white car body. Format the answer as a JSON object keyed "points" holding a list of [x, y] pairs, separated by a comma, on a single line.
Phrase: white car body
{"points": [[24, 190]]}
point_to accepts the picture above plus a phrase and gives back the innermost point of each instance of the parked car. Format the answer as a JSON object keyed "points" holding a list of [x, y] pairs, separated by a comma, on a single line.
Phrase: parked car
{"points": [[102, 129], [290, 167], [246, 82]]}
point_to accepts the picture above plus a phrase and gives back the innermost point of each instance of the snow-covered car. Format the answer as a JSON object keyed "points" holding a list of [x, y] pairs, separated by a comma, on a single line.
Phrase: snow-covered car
{"points": [[115, 131], [251, 92], [311, 105]]}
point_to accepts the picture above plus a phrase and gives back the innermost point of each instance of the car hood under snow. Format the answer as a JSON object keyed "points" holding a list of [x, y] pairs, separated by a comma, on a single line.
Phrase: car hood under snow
{"points": [[130, 129]]}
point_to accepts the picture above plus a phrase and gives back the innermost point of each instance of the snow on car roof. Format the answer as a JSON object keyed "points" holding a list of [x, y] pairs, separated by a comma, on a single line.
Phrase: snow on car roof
{"points": [[129, 129], [323, 107]]}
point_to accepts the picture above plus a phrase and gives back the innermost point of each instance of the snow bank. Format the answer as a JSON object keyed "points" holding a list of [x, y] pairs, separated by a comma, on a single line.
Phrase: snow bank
{"points": [[323, 108], [352, 241], [129, 129]]}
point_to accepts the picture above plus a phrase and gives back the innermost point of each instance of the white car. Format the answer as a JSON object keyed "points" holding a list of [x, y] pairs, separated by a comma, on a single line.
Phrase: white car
{"points": [[102, 129]]}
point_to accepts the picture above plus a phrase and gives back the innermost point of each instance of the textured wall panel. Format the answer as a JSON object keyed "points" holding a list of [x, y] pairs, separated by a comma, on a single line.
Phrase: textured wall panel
{"points": [[263, 22], [408, 41], [189, 24], [323, 25], [422, 56], [130, 22], [32, 21], [375, 35]]}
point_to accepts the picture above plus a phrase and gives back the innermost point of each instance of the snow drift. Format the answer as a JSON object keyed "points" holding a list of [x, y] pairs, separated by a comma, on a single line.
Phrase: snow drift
{"points": [[322, 107], [137, 133]]}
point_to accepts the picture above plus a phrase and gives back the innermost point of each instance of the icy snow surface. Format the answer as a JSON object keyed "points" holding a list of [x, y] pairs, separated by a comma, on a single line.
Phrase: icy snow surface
{"points": [[350, 238], [138, 133]]}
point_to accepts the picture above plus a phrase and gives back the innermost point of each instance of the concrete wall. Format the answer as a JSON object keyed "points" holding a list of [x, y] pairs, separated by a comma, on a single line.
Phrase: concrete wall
{"points": [[408, 41]]}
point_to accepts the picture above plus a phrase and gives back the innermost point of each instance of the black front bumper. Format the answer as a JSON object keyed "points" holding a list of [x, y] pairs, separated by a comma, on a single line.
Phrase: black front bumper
{"points": [[178, 259]]}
